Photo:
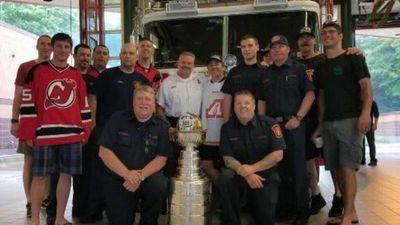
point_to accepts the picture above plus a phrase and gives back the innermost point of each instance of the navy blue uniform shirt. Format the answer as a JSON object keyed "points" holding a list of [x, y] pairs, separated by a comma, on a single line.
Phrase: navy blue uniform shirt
{"points": [[283, 88], [243, 77], [114, 92], [251, 142], [136, 143]]}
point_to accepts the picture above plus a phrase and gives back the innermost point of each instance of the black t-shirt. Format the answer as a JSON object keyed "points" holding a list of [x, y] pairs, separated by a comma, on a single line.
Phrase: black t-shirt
{"points": [[283, 88], [90, 83], [251, 142], [243, 77], [339, 78], [311, 66], [114, 92], [136, 143]]}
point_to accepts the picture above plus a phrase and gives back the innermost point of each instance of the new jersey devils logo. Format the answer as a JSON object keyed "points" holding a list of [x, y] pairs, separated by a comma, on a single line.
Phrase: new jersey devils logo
{"points": [[60, 93]]}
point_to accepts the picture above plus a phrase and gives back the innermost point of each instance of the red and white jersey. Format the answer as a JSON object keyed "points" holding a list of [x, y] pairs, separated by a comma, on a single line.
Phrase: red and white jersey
{"points": [[211, 112], [54, 107]]}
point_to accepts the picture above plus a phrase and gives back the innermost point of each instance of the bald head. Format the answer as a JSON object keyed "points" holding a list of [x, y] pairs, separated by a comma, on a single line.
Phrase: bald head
{"points": [[128, 55]]}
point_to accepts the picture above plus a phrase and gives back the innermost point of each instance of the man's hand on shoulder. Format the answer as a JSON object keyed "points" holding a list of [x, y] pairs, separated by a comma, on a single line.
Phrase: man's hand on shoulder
{"points": [[354, 51]]}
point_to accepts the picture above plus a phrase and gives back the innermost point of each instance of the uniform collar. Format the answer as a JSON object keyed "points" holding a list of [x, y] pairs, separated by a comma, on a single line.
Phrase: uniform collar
{"points": [[218, 81], [257, 64], [252, 122], [191, 77], [131, 117], [288, 63]]}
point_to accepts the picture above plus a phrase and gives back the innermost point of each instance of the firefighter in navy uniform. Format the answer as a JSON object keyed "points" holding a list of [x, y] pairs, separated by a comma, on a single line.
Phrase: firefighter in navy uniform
{"points": [[286, 94], [134, 147], [251, 146]]}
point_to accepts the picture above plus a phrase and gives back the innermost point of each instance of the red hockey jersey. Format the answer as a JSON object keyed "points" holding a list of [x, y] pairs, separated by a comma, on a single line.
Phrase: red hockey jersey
{"points": [[54, 107], [152, 75]]}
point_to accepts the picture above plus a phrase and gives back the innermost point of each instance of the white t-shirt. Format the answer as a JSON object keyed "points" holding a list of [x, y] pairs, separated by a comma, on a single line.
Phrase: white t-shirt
{"points": [[211, 112], [178, 96]]}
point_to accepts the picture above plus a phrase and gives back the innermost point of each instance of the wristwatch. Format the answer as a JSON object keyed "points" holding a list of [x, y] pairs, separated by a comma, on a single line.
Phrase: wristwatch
{"points": [[13, 120], [299, 118]]}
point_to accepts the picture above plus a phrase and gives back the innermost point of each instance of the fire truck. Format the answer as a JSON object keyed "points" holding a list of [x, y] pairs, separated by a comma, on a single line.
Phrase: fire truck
{"points": [[207, 27]]}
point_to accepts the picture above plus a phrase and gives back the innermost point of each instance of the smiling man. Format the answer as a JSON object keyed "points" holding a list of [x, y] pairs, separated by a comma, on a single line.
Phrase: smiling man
{"points": [[135, 147], [251, 146], [286, 94], [56, 119], [179, 93]]}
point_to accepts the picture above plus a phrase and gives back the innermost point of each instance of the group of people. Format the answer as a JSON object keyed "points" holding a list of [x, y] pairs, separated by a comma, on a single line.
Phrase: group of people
{"points": [[114, 130]]}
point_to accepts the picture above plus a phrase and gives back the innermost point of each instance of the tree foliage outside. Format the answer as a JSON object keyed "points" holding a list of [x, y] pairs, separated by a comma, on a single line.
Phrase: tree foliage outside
{"points": [[383, 57], [40, 20]]}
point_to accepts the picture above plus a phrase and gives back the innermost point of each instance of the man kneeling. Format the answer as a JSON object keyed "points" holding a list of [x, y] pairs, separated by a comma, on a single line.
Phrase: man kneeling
{"points": [[251, 146], [135, 146]]}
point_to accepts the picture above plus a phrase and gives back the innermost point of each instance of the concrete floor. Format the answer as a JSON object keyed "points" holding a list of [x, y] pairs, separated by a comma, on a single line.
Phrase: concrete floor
{"points": [[378, 199]]}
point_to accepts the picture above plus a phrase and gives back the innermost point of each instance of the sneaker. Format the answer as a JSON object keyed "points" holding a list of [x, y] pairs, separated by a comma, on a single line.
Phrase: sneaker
{"points": [[373, 163], [317, 203], [28, 210], [50, 220], [362, 162], [337, 207], [45, 203]]}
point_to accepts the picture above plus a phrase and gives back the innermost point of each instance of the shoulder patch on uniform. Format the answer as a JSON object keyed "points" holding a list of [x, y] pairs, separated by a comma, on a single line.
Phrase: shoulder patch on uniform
{"points": [[277, 131], [310, 74]]}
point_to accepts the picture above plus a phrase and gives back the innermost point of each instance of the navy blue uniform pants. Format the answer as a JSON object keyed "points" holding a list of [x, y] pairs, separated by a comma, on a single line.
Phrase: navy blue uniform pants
{"points": [[121, 204], [371, 143], [293, 191], [236, 193]]}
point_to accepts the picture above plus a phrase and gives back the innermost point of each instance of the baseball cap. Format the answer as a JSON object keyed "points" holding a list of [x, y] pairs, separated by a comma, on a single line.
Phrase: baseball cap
{"points": [[264, 50], [214, 57], [278, 39], [305, 31]]}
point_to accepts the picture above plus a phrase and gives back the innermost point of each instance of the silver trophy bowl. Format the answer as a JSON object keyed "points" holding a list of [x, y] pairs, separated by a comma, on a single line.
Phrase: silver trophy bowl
{"points": [[190, 189]]}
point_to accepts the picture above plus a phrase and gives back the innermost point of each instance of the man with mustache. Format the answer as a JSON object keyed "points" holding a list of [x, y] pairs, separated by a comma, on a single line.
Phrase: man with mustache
{"points": [[81, 183], [179, 94], [312, 59]]}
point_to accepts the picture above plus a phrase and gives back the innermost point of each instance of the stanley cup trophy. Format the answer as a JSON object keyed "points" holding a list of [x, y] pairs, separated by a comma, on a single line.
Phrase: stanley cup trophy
{"points": [[190, 189]]}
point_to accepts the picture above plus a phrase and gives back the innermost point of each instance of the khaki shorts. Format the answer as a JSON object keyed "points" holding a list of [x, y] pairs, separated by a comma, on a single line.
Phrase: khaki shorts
{"points": [[24, 148], [343, 144]]}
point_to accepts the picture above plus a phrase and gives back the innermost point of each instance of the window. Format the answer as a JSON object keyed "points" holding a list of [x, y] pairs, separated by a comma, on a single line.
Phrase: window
{"points": [[202, 36]]}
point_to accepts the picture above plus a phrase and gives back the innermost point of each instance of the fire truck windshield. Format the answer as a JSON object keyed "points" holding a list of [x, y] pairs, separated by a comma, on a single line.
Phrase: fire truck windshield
{"points": [[204, 35]]}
